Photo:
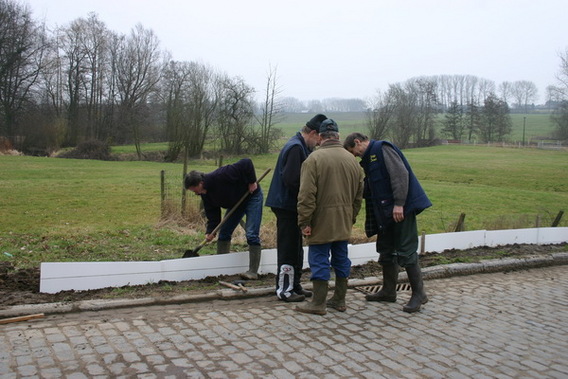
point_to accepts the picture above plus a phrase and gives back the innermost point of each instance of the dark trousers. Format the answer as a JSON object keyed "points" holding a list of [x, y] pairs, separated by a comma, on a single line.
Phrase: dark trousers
{"points": [[289, 251], [398, 243]]}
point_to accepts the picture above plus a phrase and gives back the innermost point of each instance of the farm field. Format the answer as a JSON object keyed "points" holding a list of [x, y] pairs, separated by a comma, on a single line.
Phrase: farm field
{"points": [[84, 210], [535, 125]]}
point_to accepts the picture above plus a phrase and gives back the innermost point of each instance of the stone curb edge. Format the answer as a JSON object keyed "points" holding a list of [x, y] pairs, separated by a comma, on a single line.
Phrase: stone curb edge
{"points": [[433, 272]]}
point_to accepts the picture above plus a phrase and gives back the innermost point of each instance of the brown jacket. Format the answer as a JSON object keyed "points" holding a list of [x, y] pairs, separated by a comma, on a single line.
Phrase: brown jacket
{"points": [[331, 189]]}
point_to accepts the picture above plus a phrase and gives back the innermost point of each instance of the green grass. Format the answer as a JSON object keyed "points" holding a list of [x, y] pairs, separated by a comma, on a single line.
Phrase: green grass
{"points": [[83, 210], [535, 125]]}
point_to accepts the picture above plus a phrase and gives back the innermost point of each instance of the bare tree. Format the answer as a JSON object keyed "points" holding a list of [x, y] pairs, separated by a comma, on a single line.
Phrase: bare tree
{"points": [[427, 103], [234, 115], [505, 91], [22, 45], [560, 93], [524, 93], [191, 102], [96, 43], [380, 114], [405, 116], [270, 113], [292, 104], [138, 71]]}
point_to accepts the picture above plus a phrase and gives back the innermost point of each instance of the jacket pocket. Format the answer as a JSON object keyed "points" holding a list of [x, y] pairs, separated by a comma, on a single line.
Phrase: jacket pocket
{"points": [[383, 211]]}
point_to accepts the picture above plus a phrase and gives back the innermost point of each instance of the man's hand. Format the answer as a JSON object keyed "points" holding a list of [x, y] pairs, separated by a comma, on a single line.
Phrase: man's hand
{"points": [[252, 187], [398, 213], [307, 231], [209, 237]]}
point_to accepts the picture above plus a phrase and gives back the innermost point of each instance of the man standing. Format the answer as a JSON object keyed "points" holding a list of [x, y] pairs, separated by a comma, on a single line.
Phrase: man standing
{"points": [[283, 198], [331, 188], [223, 188], [393, 198]]}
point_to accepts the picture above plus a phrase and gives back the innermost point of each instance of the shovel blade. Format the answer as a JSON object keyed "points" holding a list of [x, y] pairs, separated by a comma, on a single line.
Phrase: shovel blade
{"points": [[190, 253]]}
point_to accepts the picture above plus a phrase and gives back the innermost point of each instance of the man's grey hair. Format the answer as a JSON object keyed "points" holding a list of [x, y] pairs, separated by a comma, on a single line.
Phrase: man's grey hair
{"points": [[193, 178], [329, 135]]}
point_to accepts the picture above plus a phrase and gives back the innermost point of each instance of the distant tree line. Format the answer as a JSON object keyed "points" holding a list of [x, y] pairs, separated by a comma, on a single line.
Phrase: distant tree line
{"points": [[83, 82], [406, 113]]}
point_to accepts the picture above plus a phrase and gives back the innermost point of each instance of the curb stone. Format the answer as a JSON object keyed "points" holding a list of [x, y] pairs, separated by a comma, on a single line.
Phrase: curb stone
{"points": [[433, 272]]}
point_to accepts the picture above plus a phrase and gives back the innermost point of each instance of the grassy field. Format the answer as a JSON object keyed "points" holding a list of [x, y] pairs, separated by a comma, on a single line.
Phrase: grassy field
{"points": [[82, 210], [535, 125]]}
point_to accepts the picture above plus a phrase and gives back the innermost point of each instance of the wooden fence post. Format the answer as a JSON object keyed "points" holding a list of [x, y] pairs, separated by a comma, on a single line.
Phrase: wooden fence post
{"points": [[459, 226], [163, 191], [557, 219]]}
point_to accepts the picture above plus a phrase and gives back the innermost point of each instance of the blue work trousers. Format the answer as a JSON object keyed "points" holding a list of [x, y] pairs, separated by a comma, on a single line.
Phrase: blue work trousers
{"points": [[318, 257]]}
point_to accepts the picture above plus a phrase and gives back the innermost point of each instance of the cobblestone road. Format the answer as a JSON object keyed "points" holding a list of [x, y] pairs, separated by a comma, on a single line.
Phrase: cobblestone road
{"points": [[501, 325]]}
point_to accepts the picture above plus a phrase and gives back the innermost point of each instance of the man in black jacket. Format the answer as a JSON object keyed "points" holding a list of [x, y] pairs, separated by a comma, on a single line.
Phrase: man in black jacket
{"points": [[223, 188], [283, 198]]}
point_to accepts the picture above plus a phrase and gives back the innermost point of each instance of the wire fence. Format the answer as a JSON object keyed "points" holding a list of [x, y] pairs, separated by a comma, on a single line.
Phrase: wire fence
{"points": [[178, 205]]}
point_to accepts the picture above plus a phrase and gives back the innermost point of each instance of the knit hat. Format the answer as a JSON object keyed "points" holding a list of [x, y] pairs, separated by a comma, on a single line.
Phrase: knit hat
{"points": [[315, 122], [328, 125]]}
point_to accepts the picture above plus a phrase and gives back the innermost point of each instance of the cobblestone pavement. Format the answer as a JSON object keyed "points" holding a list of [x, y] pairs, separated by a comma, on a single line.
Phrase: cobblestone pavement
{"points": [[500, 325]]}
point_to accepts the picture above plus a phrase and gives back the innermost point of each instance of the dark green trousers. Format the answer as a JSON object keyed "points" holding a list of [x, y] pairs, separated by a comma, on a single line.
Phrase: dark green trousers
{"points": [[398, 243]]}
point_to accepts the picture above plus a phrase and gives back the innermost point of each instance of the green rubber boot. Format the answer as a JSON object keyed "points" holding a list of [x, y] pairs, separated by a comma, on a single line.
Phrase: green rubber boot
{"points": [[318, 304], [223, 247], [337, 301], [254, 263]]}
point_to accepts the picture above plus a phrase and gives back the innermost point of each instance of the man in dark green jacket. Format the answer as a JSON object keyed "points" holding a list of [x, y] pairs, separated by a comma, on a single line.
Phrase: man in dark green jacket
{"points": [[331, 189]]}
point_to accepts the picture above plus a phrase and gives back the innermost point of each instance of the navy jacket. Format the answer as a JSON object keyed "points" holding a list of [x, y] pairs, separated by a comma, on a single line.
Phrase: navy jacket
{"points": [[285, 185], [378, 188]]}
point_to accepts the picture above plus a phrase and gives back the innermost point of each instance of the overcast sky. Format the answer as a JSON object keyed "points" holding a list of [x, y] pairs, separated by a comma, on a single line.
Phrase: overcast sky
{"points": [[341, 48]]}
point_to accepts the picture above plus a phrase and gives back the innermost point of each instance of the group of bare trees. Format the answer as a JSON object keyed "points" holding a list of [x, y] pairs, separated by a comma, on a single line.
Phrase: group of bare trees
{"points": [[406, 113], [327, 105], [83, 82], [466, 89]]}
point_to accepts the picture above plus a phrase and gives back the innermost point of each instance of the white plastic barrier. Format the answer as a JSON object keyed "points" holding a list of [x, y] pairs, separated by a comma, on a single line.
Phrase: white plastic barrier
{"points": [[61, 276]]}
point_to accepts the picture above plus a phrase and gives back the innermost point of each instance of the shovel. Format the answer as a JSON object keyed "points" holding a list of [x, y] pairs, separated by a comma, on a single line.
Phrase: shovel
{"points": [[189, 253]]}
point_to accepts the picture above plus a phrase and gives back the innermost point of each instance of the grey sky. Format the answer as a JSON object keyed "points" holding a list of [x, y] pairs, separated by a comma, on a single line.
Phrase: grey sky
{"points": [[331, 48]]}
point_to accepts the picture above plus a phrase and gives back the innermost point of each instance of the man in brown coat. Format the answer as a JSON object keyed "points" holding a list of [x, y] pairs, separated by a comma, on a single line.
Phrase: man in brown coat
{"points": [[331, 189]]}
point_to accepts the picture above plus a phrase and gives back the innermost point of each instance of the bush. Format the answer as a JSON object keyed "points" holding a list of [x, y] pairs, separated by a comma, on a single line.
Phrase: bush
{"points": [[5, 144], [92, 149]]}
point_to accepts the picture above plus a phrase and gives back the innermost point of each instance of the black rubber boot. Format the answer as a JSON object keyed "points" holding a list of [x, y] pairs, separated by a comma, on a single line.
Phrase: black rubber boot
{"points": [[388, 292], [305, 292], [418, 296]]}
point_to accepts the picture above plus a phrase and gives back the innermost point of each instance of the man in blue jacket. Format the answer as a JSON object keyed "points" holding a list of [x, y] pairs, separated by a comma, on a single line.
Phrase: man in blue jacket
{"points": [[282, 198], [393, 198], [223, 188]]}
